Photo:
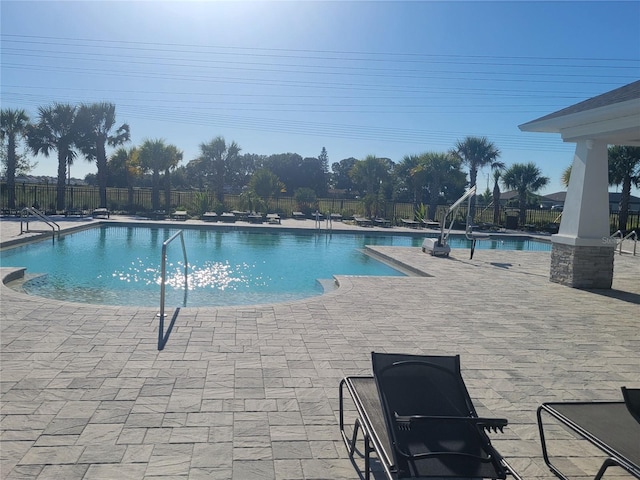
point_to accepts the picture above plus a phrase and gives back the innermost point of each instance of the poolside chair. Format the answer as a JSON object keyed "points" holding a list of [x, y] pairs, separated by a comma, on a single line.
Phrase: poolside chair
{"points": [[273, 218], [631, 398], [179, 215], [210, 217], [611, 426], [423, 423], [101, 213]]}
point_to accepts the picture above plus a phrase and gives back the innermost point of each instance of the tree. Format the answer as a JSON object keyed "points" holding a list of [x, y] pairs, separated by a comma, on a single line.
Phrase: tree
{"points": [[297, 172], [368, 174], [497, 173], [124, 167], [306, 200], [436, 168], [13, 126], [411, 179], [340, 178], [94, 124], [55, 130], [265, 184], [497, 167], [154, 156], [475, 152], [216, 159], [241, 170], [566, 176], [173, 157], [624, 169], [324, 160], [524, 179], [314, 175]]}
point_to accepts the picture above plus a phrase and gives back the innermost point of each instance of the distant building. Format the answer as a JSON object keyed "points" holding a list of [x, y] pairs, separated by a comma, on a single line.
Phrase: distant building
{"points": [[42, 179], [558, 198]]}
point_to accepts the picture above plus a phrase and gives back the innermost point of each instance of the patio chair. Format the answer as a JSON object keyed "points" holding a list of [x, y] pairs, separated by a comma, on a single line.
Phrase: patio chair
{"points": [[631, 398], [179, 215], [422, 422], [611, 426]]}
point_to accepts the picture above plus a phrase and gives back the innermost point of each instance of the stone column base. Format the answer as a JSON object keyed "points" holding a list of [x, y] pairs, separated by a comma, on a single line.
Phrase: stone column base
{"points": [[582, 267]]}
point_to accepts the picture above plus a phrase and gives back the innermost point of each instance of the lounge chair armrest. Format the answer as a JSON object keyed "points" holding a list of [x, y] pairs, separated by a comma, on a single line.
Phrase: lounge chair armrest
{"points": [[494, 424]]}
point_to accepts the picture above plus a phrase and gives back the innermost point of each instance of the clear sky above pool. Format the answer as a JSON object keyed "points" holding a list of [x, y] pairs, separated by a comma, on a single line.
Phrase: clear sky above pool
{"points": [[359, 78]]}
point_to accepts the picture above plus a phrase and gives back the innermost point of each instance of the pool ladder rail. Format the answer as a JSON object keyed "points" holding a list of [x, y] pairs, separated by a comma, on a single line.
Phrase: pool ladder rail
{"points": [[26, 212], [621, 238], [162, 336]]}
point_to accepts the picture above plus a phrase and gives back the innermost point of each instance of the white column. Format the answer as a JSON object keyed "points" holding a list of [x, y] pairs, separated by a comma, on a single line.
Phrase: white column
{"points": [[585, 218]]}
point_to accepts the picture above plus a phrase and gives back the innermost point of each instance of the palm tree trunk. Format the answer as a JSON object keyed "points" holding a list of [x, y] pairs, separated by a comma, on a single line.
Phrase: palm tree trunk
{"points": [[11, 171], [219, 180], [522, 205], [101, 163], [62, 171], [625, 196], [473, 175], [155, 191], [496, 204], [496, 208], [167, 191], [434, 190]]}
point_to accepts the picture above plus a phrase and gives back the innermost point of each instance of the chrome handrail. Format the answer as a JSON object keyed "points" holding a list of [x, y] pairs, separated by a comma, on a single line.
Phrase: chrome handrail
{"points": [[38, 214], [631, 235], [162, 338], [452, 211]]}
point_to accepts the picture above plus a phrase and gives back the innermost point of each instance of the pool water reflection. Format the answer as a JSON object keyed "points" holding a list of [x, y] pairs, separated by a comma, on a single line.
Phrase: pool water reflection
{"points": [[121, 265]]}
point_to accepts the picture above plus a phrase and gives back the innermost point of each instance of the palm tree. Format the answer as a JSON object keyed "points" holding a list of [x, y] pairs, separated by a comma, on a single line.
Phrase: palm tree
{"points": [[624, 168], [126, 161], [436, 167], [153, 156], [497, 168], [566, 176], [411, 175], [13, 125], [475, 152], [55, 130], [524, 178], [94, 124], [217, 157], [369, 173], [265, 184], [172, 159]]}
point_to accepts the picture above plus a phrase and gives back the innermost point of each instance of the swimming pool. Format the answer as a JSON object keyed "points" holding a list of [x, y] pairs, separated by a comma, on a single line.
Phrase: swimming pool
{"points": [[121, 265]]}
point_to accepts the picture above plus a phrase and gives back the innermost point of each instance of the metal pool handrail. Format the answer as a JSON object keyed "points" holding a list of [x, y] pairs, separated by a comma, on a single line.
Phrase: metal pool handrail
{"points": [[38, 214], [632, 235], [162, 338]]}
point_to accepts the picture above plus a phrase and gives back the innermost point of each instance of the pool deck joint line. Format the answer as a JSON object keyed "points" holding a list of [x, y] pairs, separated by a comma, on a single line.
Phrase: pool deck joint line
{"points": [[252, 391]]}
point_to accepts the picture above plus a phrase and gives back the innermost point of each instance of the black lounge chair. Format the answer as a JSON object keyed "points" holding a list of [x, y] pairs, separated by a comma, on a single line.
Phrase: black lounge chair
{"points": [[417, 416], [631, 398], [613, 427]]}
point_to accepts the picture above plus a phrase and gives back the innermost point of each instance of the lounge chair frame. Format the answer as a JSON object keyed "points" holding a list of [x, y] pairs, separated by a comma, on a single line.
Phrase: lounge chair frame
{"points": [[364, 393], [611, 420], [380, 439]]}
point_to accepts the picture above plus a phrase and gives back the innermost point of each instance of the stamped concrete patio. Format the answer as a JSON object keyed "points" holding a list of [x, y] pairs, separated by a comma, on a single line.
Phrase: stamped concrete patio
{"points": [[252, 392]]}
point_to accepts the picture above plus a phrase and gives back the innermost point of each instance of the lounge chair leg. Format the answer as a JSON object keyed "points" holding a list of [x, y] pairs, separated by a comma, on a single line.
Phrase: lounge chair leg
{"points": [[607, 463], [367, 463], [352, 448]]}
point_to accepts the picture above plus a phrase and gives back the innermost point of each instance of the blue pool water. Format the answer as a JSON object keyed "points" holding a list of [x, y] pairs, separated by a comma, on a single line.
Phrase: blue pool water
{"points": [[121, 265]]}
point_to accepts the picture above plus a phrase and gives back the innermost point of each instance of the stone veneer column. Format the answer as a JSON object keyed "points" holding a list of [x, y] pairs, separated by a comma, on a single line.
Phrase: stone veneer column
{"points": [[582, 267], [582, 253]]}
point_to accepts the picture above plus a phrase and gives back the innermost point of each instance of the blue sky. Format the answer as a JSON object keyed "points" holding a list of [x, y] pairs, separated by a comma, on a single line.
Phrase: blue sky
{"points": [[358, 78]]}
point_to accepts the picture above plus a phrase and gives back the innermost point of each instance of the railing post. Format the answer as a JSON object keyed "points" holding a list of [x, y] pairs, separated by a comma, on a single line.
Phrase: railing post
{"points": [[163, 280]]}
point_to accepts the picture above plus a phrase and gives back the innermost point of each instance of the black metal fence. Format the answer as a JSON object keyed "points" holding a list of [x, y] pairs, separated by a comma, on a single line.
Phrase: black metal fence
{"points": [[138, 200]]}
